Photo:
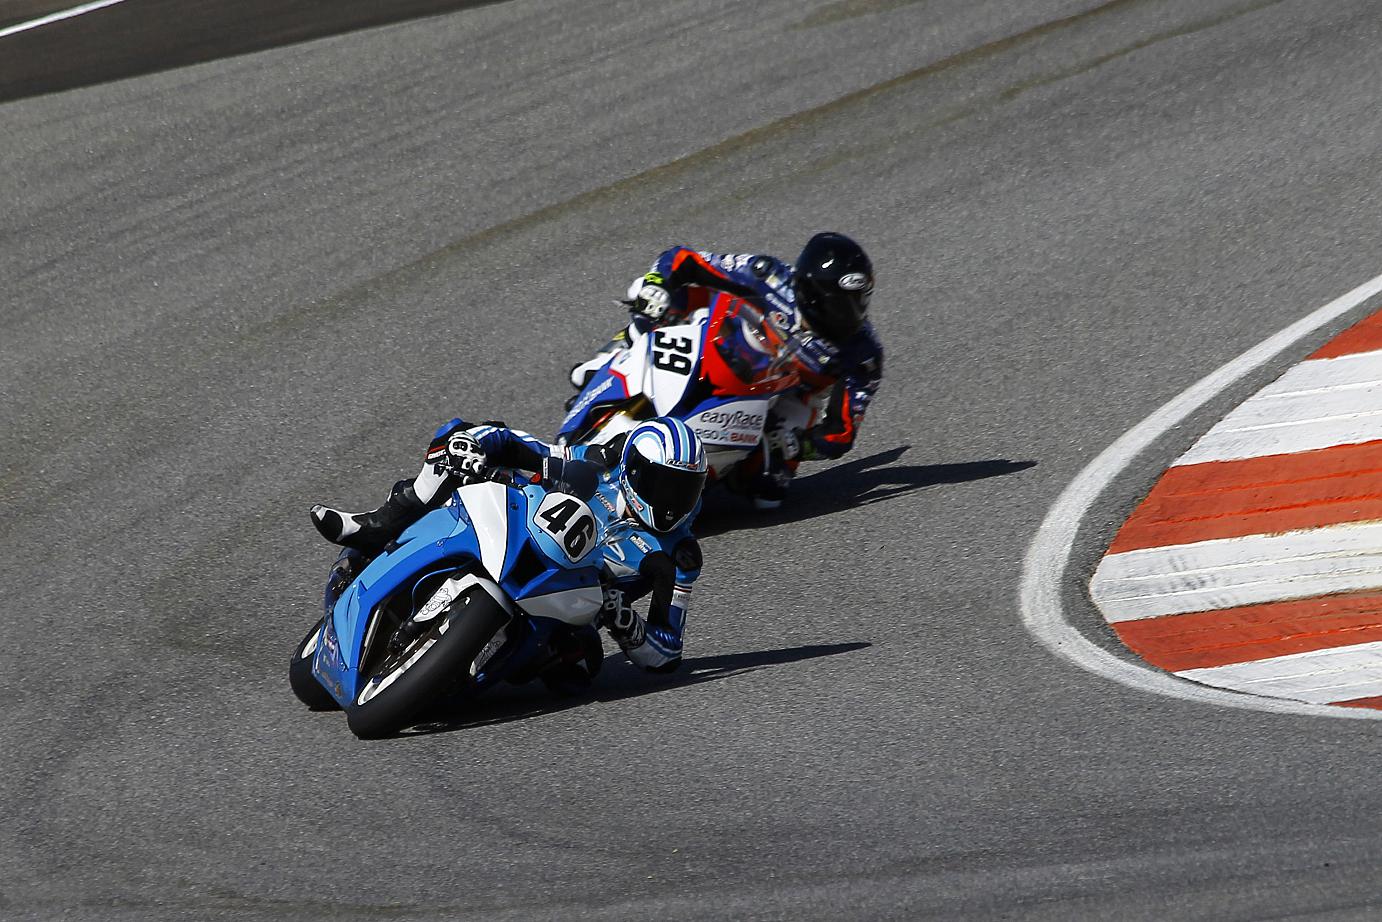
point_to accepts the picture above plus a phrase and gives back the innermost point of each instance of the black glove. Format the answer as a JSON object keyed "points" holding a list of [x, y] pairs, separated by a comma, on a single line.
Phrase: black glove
{"points": [[466, 458]]}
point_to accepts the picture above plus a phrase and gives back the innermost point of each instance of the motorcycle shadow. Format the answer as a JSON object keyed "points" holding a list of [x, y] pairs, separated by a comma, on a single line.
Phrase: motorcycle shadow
{"points": [[618, 679], [860, 482]]}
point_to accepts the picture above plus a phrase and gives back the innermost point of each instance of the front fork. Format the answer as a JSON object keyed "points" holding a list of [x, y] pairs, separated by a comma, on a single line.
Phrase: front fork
{"points": [[350, 564]]}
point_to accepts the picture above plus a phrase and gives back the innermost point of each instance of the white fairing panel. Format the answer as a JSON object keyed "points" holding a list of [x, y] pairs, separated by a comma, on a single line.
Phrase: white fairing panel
{"points": [[721, 460], [486, 503], [574, 606], [732, 425], [616, 425], [631, 363], [451, 590], [672, 358]]}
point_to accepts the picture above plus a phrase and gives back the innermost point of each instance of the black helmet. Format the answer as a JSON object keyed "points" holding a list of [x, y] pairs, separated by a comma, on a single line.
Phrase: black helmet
{"points": [[834, 280]]}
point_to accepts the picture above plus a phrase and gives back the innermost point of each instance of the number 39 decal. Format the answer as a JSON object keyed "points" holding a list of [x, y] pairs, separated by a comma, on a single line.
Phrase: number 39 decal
{"points": [[567, 521], [672, 353]]}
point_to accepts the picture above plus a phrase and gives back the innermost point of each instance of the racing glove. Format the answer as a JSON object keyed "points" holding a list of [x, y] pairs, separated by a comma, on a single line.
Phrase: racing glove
{"points": [[799, 444], [649, 297], [621, 620], [466, 458]]}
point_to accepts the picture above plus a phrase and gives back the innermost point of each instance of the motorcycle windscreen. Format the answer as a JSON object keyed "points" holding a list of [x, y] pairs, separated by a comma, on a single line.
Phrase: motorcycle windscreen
{"points": [[754, 355], [670, 493]]}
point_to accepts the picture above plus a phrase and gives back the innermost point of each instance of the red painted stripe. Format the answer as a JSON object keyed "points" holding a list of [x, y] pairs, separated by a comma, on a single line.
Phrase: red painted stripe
{"points": [[1364, 336], [1258, 496], [1360, 703], [1251, 632]]}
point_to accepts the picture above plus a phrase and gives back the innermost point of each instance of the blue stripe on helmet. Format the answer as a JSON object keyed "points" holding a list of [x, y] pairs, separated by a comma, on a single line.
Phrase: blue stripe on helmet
{"points": [[675, 454], [693, 444]]}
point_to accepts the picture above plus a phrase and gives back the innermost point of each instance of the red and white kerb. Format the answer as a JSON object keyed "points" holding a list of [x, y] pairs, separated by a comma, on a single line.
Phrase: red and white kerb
{"points": [[1255, 564]]}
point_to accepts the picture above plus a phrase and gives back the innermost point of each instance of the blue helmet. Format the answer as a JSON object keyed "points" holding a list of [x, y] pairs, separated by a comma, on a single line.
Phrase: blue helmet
{"points": [[663, 471]]}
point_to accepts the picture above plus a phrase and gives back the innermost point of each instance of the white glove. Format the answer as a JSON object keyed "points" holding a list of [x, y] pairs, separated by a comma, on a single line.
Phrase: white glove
{"points": [[465, 457], [785, 442], [648, 297]]}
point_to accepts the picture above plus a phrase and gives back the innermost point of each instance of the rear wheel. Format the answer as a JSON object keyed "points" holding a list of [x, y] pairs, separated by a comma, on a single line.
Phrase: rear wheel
{"points": [[304, 684], [396, 689]]}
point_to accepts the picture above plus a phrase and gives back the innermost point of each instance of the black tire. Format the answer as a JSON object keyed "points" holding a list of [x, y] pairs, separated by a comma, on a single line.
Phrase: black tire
{"points": [[304, 684], [426, 669]]}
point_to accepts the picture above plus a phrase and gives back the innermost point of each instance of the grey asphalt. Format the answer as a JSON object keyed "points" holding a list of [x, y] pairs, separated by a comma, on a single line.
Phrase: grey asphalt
{"points": [[233, 289]]}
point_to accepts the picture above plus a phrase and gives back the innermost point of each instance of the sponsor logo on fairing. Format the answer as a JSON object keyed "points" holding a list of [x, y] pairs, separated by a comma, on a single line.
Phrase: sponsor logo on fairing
{"points": [[580, 406], [739, 419], [639, 543], [728, 426]]}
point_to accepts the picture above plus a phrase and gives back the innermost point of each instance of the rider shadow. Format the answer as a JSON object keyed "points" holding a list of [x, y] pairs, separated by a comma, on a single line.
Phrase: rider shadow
{"points": [[617, 680], [860, 482]]}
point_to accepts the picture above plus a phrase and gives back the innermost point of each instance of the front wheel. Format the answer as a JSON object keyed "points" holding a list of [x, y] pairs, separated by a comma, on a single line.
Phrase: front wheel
{"points": [[400, 686], [304, 684]]}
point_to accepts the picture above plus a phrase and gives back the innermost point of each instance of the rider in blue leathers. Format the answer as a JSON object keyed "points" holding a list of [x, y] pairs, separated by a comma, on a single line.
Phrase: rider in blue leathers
{"points": [[839, 355], [646, 490]]}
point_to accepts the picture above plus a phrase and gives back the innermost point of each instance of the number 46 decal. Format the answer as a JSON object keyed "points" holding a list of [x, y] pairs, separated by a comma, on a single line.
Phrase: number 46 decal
{"points": [[567, 521], [672, 353]]}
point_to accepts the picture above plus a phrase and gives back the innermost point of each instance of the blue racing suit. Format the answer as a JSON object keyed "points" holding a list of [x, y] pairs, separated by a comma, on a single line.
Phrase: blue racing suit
{"points": [[638, 562]]}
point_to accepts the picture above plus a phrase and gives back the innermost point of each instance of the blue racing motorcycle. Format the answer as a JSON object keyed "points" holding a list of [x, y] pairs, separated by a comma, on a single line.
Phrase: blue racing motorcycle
{"points": [[503, 583]]}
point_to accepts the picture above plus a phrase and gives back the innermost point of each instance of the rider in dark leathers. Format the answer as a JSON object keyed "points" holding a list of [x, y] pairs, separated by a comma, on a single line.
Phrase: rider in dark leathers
{"points": [[839, 355]]}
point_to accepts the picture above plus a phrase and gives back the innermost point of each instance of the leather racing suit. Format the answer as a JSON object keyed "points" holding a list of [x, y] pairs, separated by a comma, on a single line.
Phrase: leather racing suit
{"points": [[822, 417], [638, 562]]}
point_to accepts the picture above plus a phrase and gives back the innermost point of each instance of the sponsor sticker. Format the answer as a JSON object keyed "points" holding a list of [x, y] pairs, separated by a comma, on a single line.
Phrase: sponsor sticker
{"points": [[854, 281], [727, 425], [580, 406]]}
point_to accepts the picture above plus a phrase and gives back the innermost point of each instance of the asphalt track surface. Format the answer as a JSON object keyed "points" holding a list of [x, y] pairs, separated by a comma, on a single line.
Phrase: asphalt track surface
{"points": [[235, 288]]}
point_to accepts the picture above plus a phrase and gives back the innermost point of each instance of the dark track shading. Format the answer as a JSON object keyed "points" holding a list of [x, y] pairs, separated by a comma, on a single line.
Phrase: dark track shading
{"points": [[617, 680], [143, 36], [858, 482]]}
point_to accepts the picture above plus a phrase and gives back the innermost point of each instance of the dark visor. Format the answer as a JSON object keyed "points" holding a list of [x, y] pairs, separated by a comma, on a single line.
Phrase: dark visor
{"points": [[670, 493]]}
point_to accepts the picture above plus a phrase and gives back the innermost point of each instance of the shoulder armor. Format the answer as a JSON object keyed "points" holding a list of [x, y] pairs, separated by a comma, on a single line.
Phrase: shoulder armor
{"points": [[761, 266]]}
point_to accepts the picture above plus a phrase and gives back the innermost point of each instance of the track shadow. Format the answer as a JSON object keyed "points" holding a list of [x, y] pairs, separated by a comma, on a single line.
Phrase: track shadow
{"points": [[617, 680], [861, 482]]}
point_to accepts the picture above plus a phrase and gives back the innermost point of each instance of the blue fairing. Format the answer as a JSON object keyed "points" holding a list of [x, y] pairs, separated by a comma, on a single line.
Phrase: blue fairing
{"points": [[441, 540], [602, 390], [436, 536]]}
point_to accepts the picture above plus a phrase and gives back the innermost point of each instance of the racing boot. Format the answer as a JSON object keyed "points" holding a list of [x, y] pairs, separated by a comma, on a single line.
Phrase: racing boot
{"points": [[769, 490], [369, 532]]}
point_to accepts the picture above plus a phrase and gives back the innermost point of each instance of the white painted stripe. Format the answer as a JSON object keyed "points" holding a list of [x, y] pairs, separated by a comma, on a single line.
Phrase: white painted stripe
{"points": [[1228, 572], [1319, 676], [1357, 369], [1316, 404], [1045, 569], [57, 17]]}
